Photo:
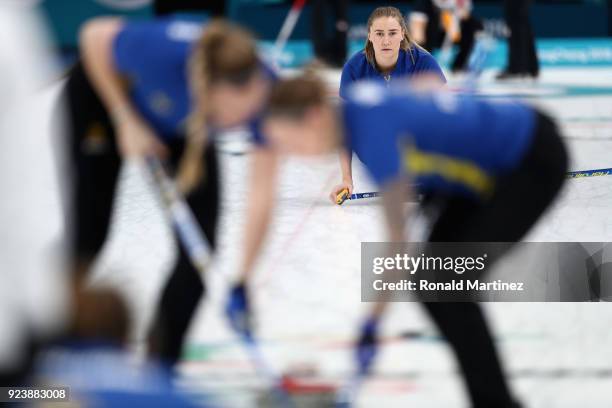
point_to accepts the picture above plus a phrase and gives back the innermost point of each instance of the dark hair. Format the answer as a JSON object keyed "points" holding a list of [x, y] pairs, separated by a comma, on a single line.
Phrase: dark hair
{"points": [[224, 53], [406, 43], [100, 313]]}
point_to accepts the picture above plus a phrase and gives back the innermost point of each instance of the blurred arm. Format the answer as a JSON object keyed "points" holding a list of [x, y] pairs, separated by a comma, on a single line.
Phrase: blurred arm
{"points": [[134, 136], [346, 160], [394, 195], [96, 42], [261, 203]]}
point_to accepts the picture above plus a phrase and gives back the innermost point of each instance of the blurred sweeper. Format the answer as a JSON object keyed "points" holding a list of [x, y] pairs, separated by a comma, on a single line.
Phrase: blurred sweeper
{"points": [[492, 167], [158, 88]]}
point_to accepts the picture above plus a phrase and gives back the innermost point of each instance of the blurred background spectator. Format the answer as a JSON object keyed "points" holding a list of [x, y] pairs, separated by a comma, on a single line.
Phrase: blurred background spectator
{"points": [[329, 37], [522, 57], [215, 8], [438, 24]]}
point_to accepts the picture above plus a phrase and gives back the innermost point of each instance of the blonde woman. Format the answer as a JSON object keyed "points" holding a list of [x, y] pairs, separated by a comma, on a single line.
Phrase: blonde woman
{"points": [[158, 88], [478, 158]]}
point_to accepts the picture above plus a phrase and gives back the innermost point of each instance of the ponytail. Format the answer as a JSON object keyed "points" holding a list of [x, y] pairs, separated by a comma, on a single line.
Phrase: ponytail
{"points": [[225, 52]]}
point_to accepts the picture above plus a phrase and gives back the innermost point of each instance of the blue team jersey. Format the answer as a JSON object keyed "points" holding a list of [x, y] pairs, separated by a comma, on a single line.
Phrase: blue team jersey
{"points": [[414, 61], [447, 142], [153, 56]]}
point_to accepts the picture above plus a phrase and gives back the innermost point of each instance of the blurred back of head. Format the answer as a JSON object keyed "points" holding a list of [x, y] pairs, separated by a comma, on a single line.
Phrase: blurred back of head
{"points": [[100, 314]]}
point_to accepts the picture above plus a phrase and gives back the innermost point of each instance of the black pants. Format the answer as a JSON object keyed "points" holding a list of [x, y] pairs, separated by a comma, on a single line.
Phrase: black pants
{"points": [[522, 57], [518, 201], [330, 48], [214, 7], [95, 168], [469, 27]]}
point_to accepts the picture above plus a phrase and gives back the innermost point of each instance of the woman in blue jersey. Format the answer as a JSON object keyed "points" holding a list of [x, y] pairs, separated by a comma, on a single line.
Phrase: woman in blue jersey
{"points": [[158, 88], [389, 54], [493, 167]]}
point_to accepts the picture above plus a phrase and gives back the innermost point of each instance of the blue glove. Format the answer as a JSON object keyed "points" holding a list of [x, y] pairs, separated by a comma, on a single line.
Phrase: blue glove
{"points": [[238, 311], [366, 345]]}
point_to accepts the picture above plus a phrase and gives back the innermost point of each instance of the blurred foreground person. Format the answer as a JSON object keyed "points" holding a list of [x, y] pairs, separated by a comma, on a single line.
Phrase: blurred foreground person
{"points": [[33, 280], [161, 89], [94, 362], [475, 160]]}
